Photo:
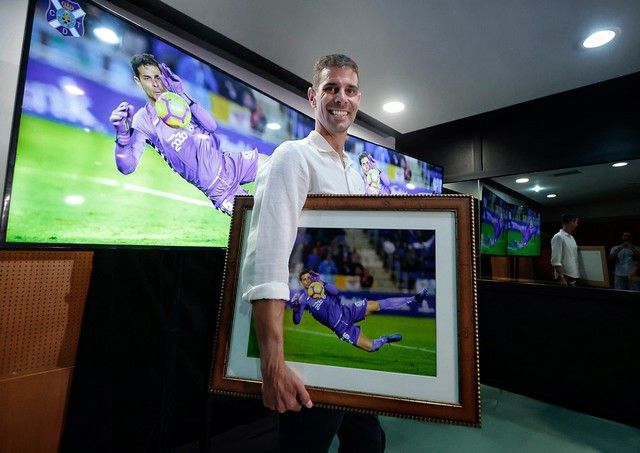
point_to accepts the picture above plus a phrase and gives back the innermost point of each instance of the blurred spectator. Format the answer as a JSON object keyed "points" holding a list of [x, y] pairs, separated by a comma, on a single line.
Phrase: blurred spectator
{"points": [[327, 267], [366, 279], [258, 120]]}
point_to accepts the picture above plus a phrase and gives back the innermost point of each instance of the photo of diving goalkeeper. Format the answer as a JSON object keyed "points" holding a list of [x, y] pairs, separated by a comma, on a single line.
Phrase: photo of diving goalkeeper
{"points": [[192, 151], [323, 301]]}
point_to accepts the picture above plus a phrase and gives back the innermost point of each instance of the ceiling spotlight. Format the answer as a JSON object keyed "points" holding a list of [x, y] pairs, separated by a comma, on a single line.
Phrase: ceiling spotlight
{"points": [[536, 188], [106, 35], [393, 107], [599, 38], [522, 180], [273, 126], [551, 195], [619, 164]]}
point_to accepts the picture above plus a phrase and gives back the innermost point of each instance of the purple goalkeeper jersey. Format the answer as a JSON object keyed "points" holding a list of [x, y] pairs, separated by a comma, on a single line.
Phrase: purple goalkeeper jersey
{"points": [[192, 152], [328, 310]]}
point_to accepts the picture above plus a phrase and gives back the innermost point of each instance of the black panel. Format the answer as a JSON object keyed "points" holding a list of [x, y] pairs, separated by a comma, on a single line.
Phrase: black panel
{"points": [[574, 347], [142, 371], [589, 125]]}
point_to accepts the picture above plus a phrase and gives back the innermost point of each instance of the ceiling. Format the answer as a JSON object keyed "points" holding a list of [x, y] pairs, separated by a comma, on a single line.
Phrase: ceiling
{"points": [[594, 184], [445, 60], [448, 60]]}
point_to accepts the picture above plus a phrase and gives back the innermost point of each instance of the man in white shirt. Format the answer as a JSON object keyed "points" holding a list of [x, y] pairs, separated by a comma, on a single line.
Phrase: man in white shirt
{"points": [[316, 164], [564, 252]]}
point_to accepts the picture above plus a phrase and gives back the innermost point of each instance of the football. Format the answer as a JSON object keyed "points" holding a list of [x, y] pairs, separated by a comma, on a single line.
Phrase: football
{"points": [[316, 290], [373, 179], [173, 110]]}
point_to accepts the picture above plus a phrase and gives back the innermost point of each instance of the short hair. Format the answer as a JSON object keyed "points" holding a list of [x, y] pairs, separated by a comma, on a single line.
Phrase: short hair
{"points": [[143, 59], [362, 156], [566, 218], [332, 61]]}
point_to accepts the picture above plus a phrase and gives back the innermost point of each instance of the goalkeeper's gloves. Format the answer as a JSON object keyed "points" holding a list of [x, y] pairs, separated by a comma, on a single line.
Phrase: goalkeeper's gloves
{"points": [[172, 82], [121, 120]]}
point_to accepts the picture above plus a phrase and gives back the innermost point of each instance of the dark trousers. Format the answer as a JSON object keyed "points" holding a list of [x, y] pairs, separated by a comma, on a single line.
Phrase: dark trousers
{"points": [[312, 430]]}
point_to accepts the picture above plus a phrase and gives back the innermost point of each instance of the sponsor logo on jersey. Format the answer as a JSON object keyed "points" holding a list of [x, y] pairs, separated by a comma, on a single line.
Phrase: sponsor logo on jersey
{"points": [[177, 140]]}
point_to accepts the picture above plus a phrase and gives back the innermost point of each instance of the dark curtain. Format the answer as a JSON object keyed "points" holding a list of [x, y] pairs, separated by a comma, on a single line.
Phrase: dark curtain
{"points": [[145, 351]]}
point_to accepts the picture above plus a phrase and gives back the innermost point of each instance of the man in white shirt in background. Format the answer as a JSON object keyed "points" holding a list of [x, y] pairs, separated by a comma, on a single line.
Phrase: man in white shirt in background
{"points": [[314, 165], [564, 252]]}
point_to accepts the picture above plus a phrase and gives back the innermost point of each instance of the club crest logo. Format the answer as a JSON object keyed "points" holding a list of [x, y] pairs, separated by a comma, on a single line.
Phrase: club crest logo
{"points": [[67, 17]]}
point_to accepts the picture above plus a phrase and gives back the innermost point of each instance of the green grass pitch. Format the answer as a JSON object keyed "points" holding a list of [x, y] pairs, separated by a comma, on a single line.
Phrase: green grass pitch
{"points": [[311, 342], [531, 249], [500, 247], [151, 206]]}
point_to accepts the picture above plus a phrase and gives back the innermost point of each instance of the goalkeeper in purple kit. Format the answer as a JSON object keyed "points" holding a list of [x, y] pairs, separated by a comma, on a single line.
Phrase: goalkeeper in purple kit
{"points": [[192, 151], [322, 300]]}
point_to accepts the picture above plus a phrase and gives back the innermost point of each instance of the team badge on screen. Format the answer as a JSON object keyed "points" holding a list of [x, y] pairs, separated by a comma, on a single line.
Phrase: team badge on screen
{"points": [[67, 17]]}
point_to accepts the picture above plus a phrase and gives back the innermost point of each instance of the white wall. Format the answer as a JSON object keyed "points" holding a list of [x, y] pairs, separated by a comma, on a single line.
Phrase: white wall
{"points": [[14, 13]]}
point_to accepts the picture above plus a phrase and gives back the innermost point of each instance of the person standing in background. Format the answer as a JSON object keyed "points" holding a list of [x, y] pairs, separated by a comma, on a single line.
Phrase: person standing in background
{"points": [[564, 252], [624, 257]]}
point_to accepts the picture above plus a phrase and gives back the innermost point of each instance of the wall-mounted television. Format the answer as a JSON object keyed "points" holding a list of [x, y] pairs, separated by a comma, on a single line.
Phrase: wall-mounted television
{"points": [[493, 228], [523, 233], [69, 184]]}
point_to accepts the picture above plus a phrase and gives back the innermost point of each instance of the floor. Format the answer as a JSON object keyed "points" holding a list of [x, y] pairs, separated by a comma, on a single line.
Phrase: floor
{"points": [[512, 423]]}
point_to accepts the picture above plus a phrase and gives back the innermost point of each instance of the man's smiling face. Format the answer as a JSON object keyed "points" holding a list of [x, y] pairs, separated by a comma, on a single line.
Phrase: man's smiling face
{"points": [[335, 99]]}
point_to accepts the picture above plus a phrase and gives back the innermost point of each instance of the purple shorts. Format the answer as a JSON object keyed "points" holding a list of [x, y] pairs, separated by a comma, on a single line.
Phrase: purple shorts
{"points": [[346, 329], [235, 169]]}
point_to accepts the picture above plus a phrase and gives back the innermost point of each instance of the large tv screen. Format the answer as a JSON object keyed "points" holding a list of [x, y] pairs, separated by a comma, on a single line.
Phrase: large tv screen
{"points": [[493, 229], [523, 233], [69, 183]]}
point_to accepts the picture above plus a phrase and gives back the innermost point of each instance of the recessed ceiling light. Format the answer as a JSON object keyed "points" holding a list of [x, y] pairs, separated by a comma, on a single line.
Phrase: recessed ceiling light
{"points": [[106, 35], [522, 180], [393, 107], [599, 38], [536, 188], [551, 195], [619, 164], [273, 126]]}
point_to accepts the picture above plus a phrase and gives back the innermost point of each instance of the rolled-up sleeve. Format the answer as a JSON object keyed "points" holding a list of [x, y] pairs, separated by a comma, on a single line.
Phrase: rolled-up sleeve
{"points": [[281, 190], [556, 250]]}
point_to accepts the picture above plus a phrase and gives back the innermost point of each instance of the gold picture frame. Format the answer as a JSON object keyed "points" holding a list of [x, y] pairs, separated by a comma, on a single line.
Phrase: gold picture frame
{"points": [[449, 389]]}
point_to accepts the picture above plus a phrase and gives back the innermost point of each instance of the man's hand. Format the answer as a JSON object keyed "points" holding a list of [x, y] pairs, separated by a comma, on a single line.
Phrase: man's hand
{"points": [[282, 389], [170, 80], [121, 119]]}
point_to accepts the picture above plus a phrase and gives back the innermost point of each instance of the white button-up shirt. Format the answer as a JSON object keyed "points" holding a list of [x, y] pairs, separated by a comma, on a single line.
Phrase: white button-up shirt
{"points": [[564, 252], [294, 170]]}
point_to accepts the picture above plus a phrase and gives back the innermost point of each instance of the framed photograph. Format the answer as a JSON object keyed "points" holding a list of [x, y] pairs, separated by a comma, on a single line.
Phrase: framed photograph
{"points": [[592, 262], [400, 272]]}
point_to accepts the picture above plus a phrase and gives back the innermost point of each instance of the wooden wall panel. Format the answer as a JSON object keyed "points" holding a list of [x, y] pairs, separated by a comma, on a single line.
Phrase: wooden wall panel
{"points": [[42, 298], [33, 409]]}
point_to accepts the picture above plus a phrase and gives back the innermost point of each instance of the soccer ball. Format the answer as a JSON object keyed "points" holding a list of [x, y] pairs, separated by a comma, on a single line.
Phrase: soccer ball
{"points": [[316, 290], [173, 110], [373, 179]]}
